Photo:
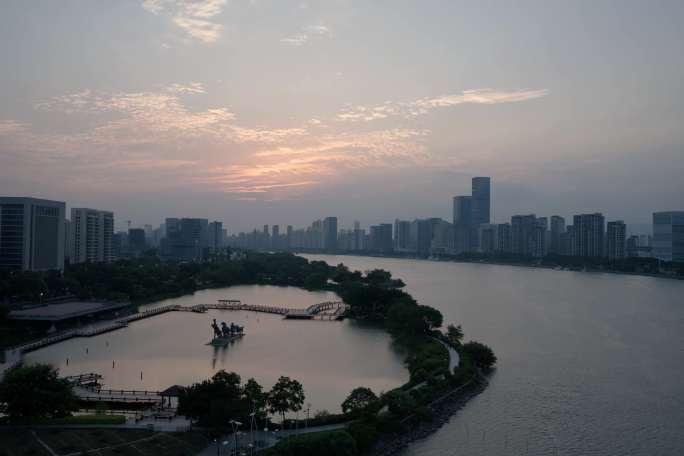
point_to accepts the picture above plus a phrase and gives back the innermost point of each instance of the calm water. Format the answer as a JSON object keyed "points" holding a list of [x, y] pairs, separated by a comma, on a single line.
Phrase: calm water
{"points": [[589, 364], [329, 358]]}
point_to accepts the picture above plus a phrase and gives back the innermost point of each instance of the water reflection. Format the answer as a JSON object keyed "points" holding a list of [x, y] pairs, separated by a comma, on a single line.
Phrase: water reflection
{"points": [[330, 358]]}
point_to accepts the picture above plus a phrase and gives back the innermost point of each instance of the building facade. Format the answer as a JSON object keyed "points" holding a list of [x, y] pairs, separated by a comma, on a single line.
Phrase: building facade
{"points": [[668, 236], [588, 235], [32, 234], [615, 240], [92, 233]]}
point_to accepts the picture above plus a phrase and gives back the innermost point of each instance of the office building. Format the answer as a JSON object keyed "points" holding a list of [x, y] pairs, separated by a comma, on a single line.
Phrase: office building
{"points": [[92, 232], [668, 236], [215, 236], [32, 234], [588, 235], [615, 240], [137, 243]]}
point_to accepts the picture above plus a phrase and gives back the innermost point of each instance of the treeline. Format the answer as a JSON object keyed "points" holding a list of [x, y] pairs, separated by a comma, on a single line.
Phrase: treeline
{"points": [[149, 278]]}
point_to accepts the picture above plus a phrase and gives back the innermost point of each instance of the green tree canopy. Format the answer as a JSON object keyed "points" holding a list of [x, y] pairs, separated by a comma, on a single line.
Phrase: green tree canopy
{"points": [[454, 334], [480, 354], [287, 395], [216, 401], [35, 391], [358, 400]]}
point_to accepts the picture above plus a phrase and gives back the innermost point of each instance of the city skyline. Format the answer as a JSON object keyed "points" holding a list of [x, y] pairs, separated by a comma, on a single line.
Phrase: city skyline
{"points": [[257, 112]]}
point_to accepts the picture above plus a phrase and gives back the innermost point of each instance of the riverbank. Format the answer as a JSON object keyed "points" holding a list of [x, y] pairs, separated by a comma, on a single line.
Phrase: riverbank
{"points": [[442, 410], [531, 263]]}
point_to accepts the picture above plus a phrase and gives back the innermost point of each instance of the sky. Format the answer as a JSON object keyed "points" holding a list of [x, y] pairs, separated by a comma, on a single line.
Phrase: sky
{"points": [[277, 112]]}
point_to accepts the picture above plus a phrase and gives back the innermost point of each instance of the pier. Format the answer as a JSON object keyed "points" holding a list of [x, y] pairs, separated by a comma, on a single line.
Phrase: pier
{"points": [[330, 310]]}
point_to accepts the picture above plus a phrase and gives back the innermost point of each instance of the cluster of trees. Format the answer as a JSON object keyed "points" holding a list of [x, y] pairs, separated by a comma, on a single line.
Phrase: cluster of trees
{"points": [[214, 402], [30, 392], [146, 278]]}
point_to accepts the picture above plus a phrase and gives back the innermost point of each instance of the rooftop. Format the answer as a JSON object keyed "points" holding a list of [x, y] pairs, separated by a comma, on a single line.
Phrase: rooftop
{"points": [[63, 311]]}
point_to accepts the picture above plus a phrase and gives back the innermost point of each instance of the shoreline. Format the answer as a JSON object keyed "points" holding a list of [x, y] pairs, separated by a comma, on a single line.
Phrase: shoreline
{"points": [[491, 262], [442, 408]]}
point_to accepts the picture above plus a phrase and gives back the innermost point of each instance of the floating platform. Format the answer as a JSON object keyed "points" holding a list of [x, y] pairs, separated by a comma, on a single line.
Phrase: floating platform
{"points": [[223, 341]]}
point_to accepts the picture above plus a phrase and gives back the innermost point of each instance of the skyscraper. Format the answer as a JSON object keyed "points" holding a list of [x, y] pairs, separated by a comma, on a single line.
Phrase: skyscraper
{"points": [[615, 240], [588, 235], [92, 232], [330, 233], [557, 229], [32, 233], [668, 236], [462, 223], [381, 238], [481, 200], [523, 234], [402, 235]]}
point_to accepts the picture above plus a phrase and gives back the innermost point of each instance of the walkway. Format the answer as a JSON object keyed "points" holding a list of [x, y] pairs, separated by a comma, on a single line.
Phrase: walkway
{"points": [[263, 439], [333, 310], [454, 359]]}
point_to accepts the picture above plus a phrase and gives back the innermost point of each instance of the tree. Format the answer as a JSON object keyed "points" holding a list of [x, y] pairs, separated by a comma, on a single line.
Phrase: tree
{"points": [[253, 393], [216, 401], [287, 395], [455, 334], [399, 403], [358, 400], [35, 391], [480, 354]]}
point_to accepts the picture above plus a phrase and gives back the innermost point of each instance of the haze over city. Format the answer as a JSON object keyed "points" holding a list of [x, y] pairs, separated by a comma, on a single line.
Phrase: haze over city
{"points": [[260, 112]]}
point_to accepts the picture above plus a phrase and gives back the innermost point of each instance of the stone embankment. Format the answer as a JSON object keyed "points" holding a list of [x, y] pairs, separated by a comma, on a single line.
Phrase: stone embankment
{"points": [[442, 409]]}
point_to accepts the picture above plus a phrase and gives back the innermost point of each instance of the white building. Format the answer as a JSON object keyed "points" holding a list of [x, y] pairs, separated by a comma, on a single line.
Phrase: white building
{"points": [[92, 231], [32, 233]]}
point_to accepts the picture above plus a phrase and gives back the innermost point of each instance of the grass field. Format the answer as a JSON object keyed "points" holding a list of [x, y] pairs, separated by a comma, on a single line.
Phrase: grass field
{"points": [[100, 442]]}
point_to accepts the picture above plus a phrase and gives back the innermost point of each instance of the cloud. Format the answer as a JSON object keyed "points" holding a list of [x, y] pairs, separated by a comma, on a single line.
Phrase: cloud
{"points": [[11, 127], [310, 32], [424, 105], [195, 17], [193, 87]]}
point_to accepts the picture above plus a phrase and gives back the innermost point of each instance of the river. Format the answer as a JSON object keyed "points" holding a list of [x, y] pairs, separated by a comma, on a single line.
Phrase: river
{"points": [[589, 363], [330, 358]]}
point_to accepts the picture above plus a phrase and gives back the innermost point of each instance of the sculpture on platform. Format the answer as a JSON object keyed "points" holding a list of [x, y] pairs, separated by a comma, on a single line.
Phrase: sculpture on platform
{"points": [[224, 332]]}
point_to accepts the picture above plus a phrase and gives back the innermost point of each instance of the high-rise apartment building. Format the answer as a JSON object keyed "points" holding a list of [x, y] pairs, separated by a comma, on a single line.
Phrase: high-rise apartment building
{"points": [[381, 238], [588, 235], [92, 232], [615, 240], [503, 238], [32, 233], [523, 234], [330, 233], [557, 229], [463, 223], [668, 236], [137, 242], [402, 236]]}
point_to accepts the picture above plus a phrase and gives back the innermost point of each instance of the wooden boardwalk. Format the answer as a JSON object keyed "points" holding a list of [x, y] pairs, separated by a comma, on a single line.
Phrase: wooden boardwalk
{"points": [[330, 310]]}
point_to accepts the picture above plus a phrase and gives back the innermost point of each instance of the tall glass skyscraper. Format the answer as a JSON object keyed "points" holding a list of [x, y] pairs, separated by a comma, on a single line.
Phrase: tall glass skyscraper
{"points": [[668, 235], [481, 203]]}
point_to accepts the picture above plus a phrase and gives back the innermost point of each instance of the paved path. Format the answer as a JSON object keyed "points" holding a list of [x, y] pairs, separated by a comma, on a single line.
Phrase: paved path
{"points": [[263, 439], [454, 359]]}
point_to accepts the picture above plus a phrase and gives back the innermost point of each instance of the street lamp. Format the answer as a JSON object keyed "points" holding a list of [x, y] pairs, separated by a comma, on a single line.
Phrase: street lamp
{"points": [[234, 426]]}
